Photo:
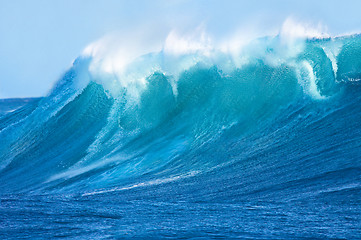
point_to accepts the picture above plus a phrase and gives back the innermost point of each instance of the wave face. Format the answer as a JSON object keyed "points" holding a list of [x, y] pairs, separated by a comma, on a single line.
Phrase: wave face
{"points": [[274, 130]]}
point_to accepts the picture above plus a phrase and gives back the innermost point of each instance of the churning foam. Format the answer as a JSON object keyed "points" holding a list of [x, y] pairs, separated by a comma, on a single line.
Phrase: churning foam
{"points": [[124, 62]]}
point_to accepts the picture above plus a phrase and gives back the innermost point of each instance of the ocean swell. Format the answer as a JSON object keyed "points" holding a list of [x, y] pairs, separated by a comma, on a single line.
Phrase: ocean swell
{"points": [[200, 113]]}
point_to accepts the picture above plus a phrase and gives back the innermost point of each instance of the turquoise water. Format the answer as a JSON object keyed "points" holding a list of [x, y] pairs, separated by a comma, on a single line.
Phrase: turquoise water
{"points": [[263, 145]]}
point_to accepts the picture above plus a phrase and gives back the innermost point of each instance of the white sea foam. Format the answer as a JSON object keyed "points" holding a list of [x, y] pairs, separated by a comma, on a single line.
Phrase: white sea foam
{"points": [[197, 41], [144, 184], [120, 62], [307, 80], [292, 29]]}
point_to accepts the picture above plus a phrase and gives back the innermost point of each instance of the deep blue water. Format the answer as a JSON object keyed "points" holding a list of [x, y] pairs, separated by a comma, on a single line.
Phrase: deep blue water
{"points": [[266, 149]]}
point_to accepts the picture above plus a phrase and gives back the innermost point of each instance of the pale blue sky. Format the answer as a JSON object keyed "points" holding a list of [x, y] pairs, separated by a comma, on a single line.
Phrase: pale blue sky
{"points": [[40, 38]]}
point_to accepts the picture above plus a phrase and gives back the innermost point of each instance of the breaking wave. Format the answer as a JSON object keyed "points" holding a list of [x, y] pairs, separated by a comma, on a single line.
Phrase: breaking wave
{"points": [[278, 108]]}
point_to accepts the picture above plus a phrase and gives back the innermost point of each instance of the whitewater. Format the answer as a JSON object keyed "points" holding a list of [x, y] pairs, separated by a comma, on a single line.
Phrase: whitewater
{"points": [[255, 140]]}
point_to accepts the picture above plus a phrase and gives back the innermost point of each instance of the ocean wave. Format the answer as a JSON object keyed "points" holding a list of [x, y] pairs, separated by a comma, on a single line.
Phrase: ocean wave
{"points": [[274, 105]]}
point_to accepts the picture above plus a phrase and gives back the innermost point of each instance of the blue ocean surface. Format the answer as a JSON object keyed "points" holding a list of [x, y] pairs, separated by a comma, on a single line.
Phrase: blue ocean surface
{"points": [[263, 145]]}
